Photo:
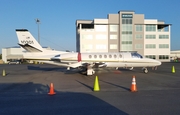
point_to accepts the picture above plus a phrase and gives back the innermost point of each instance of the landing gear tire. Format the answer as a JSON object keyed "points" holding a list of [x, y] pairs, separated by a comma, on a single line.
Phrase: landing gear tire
{"points": [[145, 70], [131, 68]]}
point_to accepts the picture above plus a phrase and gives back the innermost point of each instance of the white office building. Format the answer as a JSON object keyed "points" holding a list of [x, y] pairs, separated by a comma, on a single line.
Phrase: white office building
{"points": [[125, 31]]}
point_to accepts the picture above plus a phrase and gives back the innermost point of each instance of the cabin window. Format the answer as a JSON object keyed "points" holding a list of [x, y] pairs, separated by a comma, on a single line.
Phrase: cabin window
{"points": [[105, 56], [120, 56], [95, 56], [90, 56], [115, 56], [100, 56], [110, 56]]}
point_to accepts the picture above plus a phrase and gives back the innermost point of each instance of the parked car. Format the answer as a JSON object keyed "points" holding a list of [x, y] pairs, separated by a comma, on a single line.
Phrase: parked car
{"points": [[14, 62]]}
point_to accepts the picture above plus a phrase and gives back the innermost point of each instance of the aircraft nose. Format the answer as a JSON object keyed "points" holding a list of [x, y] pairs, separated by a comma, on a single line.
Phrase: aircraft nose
{"points": [[158, 62]]}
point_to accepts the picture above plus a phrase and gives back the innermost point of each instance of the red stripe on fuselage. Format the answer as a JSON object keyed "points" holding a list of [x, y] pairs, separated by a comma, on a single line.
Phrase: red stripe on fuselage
{"points": [[79, 56]]}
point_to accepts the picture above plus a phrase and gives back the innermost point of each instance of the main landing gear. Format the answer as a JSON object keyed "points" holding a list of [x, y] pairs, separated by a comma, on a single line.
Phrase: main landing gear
{"points": [[88, 70], [145, 70]]}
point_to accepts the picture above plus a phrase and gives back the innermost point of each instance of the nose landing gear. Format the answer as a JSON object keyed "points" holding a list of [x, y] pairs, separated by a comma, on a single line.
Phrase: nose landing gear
{"points": [[145, 70]]}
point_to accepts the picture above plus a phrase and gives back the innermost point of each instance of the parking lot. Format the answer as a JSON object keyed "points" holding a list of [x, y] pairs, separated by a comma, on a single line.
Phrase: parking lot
{"points": [[24, 90]]}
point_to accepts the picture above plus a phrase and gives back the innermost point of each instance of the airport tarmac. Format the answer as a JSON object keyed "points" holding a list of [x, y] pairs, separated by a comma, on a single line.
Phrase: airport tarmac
{"points": [[24, 91]]}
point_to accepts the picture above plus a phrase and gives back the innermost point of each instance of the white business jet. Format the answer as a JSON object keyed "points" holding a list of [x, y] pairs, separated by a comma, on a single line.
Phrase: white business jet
{"points": [[84, 61]]}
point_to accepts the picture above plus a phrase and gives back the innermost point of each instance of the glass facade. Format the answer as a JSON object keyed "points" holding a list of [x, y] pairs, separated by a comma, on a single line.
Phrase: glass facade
{"points": [[126, 33]]}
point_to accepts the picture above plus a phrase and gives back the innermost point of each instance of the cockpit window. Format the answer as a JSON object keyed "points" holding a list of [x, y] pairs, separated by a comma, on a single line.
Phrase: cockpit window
{"points": [[57, 55], [136, 55]]}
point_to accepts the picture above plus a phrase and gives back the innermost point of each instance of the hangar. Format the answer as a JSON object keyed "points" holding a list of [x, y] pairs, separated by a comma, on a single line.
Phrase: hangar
{"points": [[14, 53]]}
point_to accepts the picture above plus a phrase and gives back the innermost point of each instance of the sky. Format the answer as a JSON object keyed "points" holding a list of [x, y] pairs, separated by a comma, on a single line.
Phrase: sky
{"points": [[58, 18]]}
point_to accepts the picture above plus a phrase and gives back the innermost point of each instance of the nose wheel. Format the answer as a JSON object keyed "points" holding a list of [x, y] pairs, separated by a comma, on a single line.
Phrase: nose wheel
{"points": [[145, 70]]}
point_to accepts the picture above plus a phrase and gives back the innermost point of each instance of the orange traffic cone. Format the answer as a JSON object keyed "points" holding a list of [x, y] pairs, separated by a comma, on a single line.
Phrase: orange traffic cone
{"points": [[133, 86], [51, 91]]}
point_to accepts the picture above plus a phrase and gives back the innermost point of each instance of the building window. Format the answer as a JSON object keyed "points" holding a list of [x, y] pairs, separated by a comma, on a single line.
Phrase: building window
{"points": [[101, 36], [87, 46], [101, 28], [126, 42], [139, 36], [164, 46], [87, 36], [150, 36], [100, 46], [163, 57], [127, 37], [113, 46], [138, 46], [126, 47], [139, 28], [163, 36], [127, 21], [150, 46], [126, 27], [113, 36], [150, 28], [113, 28], [151, 56]]}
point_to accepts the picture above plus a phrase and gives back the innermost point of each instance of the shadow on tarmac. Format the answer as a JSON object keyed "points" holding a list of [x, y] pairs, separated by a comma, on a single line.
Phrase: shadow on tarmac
{"points": [[116, 85], [85, 85], [31, 99], [75, 70], [59, 69]]}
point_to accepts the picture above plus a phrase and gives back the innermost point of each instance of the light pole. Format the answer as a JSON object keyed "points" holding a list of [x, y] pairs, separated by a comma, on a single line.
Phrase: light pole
{"points": [[38, 22]]}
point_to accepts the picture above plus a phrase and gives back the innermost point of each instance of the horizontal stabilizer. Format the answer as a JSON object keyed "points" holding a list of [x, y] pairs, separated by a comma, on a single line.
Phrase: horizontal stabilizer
{"points": [[29, 48]]}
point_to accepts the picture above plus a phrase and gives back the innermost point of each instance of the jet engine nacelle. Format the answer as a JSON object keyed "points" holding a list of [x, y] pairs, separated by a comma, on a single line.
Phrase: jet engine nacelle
{"points": [[67, 57], [100, 65]]}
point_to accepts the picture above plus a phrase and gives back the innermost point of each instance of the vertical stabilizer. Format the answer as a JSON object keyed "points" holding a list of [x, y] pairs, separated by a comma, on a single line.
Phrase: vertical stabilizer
{"points": [[25, 38]]}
